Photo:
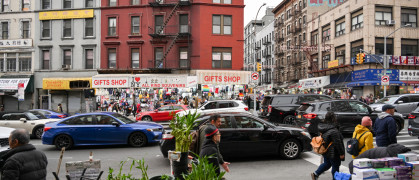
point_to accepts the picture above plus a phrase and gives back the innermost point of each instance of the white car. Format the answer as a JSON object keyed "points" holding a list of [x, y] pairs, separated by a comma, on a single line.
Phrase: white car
{"points": [[219, 106], [33, 124], [4, 138]]}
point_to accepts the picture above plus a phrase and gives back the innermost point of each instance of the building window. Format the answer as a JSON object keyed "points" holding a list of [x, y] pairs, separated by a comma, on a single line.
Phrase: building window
{"points": [[1, 62], [326, 35], [25, 5], [409, 16], [304, 20], [25, 61], [158, 24], [222, 1], [89, 3], [46, 58], [288, 14], [46, 4], [67, 28], [325, 61], [89, 56], [357, 20], [382, 15], [4, 5], [314, 39], [379, 46], [135, 25], [340, 29], [5, 30], [11, 62], [288, 29], [67, 4], [25, 29], [340, 55], [158, 57], [112, 26], [183, 23], [112, 2], [112, 58], [67, 56], [46, 29], [221, 24], [135, 58], [88, 31], [304, 37], [410, 47], [183, 57], [135, 2], [356, 48], [221, 58]]}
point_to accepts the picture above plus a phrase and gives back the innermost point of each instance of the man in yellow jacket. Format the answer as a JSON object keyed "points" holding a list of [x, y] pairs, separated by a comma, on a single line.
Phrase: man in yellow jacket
{"points": [[366, 141]]}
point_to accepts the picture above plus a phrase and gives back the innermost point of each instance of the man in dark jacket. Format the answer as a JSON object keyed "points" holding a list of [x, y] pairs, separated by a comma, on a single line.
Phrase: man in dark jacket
{"points": [[209, 148], [385, 127], [23, 161], [381, 152]]}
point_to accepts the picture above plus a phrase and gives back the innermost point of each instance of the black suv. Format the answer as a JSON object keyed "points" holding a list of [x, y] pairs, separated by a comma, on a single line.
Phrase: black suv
{"points": [[282, 108]]}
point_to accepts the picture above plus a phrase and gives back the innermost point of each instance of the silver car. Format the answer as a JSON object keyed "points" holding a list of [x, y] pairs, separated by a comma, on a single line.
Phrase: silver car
{"points": [[404, 103], [4, 138]]}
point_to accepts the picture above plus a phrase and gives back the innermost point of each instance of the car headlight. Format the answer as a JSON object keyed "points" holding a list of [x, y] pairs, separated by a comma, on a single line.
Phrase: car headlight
{"points": [[154, 129], [306, 134]]}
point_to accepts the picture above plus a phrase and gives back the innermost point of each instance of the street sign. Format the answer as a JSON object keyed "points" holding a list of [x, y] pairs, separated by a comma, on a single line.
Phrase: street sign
{"points": [[385, 80], [255, 76], [21, 91]]}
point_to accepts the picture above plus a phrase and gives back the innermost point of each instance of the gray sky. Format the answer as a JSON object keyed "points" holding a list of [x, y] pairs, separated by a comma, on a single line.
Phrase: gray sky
{"points": [[252, 7]]}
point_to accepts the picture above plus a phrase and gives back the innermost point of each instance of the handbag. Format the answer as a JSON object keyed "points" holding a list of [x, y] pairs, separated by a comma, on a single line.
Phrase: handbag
{"points": [[317, 143]]}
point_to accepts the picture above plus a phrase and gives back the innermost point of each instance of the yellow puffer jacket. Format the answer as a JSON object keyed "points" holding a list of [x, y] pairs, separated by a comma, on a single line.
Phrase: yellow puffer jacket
{"points": [[366, 139]]}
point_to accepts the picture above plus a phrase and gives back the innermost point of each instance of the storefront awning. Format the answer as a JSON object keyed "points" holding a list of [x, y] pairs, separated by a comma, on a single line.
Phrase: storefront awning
{"points": [[10, 82], [283, 85], [66, 83], [374, 83], [314, 83], [412, 83], [294, 85], [336, 85]]}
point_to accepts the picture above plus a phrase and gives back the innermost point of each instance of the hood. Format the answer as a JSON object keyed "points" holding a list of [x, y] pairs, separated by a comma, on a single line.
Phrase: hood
{"points": [[377, 107], [185, 112], [394, 149], [146, 124], [325, 127], [287, 127], [359, 129], [5, 132], [383, 115]]}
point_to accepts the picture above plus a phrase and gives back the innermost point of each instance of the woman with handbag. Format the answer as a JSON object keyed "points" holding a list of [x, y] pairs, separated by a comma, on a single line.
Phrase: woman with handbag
{"points": [[333, 142]]}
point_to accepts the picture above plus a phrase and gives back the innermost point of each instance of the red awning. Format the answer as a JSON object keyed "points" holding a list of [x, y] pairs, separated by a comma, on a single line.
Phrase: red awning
{"points": [[412, 83]]}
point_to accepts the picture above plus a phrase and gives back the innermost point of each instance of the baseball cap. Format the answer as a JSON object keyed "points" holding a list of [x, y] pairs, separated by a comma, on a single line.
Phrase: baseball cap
{"points": [[387, 106]]}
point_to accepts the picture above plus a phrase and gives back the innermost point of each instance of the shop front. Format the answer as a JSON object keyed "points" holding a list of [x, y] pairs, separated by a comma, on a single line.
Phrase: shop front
{"points": [[313, 85], [16, 92], [411, 78]]}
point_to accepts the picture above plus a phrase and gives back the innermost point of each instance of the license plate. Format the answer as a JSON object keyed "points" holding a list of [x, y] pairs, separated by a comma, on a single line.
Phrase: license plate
{"points": [[299, 116]]}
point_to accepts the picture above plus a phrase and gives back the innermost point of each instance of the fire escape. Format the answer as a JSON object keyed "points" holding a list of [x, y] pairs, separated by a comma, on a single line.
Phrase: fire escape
{"points": [[170, 35]]}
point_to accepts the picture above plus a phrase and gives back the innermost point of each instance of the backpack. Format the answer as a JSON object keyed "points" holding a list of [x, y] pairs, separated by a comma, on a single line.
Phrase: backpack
{"points": [[352, 146], [317, 143]]}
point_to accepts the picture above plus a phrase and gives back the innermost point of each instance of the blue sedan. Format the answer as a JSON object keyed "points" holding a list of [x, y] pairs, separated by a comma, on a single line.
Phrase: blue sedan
{"points": [[48, 113], [102, 128]]}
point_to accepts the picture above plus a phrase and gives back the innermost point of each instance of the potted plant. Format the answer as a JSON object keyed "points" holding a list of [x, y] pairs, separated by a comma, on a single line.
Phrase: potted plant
{"points": [[203, 170]]}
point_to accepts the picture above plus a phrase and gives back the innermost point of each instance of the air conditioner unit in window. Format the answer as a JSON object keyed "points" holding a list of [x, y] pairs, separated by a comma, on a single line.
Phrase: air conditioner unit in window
{"points": [[391, 22], [340, 53], [160, 1], [66, 66]]}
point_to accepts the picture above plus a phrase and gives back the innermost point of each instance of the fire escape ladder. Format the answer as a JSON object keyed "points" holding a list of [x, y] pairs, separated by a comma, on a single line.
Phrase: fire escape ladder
{"points": [[170, 47], [169, 17], [314, 67]]}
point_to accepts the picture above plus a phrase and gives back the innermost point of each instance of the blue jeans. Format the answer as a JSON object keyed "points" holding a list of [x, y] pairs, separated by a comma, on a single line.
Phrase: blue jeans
{"points": [[334, 163]]}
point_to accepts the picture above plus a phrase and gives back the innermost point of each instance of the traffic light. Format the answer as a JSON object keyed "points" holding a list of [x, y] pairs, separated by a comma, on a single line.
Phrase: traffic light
{"points": [[357, 58], [360, 57], [258, 67]]}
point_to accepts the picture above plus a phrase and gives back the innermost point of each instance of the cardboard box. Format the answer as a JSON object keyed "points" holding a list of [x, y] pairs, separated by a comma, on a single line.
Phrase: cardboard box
{"points": [[386, 173], [365, 173], [408, 157], [395, 162], [379, 163], [403, 170], [362, 163], [358, 178]]}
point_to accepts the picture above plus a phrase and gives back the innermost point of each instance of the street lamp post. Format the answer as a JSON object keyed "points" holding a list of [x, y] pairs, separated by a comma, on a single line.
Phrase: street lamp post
{"points": [[386, 63], [254, 35]]}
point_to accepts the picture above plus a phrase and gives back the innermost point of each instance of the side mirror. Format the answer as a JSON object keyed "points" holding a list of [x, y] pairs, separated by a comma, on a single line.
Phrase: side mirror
{"points": [[265, 127], [156, 110], [23, 119], [370, 110], [399, 102], [115, 124], [203, 107]]}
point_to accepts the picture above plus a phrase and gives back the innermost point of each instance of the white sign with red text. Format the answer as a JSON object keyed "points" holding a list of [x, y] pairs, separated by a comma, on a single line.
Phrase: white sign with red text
{"points": [[223, 77], [110, 82], [158, 81]]}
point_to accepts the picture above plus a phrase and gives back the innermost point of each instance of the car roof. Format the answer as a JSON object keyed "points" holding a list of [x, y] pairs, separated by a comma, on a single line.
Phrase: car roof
{"points": [[95, 113], [330, 100], [224, 100], [276, 95], [399, 95]]}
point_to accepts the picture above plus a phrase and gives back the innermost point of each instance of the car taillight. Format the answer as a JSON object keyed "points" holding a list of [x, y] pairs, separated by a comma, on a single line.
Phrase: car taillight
{"points": [[46, 129], [167, 136], [61, 116], [246, 108], [310, 116], [269, 109], [411, 116]]}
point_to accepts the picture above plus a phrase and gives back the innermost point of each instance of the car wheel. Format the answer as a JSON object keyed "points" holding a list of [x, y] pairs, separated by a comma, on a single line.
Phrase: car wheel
{"points": [[147, 118], [37, 132], [290, 119], [290, 149], [63, 141], [398, 128], [137, 139]]}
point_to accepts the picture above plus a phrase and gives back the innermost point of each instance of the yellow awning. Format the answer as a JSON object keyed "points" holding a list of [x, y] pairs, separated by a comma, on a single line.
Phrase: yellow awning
{"points": [[61, 83]]}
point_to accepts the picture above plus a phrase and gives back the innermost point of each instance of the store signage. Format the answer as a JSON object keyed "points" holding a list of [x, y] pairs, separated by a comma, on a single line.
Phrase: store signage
{"points": [[158, 81], [192, 81], [110, 82], [334, 63], [73, 14], [223, 77], [55, 84], [12, 84], [16, 43], [409, 75], [314, 83], [21, 92], [374, 75]]}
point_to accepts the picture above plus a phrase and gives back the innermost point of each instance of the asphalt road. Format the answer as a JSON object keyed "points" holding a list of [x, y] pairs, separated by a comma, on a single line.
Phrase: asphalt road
{"points": [[252, 168]]}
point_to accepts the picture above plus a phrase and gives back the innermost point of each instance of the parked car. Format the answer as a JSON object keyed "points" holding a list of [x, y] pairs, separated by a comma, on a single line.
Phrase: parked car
{"points": [[164, 113], [4, 139], [282, 108], [413, 123], [404, 103], [251, 136], [49, 114], [219, 106], [101, 128], [349, 113], [32, 123], [8, 112]]}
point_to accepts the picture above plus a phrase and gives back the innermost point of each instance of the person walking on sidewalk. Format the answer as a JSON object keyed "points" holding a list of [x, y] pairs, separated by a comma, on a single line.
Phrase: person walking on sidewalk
{"points": [[385, 127], [363, 134], [336, 151]]}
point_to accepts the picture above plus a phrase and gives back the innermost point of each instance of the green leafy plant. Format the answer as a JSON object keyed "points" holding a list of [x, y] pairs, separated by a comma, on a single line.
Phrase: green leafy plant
{"points": [[138, 164], [181, 127], [165, 177], [203, 171]]}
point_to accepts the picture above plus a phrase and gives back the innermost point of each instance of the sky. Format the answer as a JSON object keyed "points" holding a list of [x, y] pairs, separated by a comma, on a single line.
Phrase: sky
{"points": [[252, 7]]}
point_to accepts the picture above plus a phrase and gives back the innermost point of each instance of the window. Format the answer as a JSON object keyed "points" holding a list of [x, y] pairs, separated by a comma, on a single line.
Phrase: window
{"points": [[211, 105], [221, 24], [45, 59], [183, 57], [158, 24], [1, 62], [314, 39], [325, 107], [379, 46], [25, 5], [382, 15], [112, 2], [25, 60], [325, 61], [4, 5], [67, 4], [89, 3], [112, 58], [356, 47], [67, 56], [357, 20], [341, 106], [358, 107], [304, 20], [67, 28], [340, 54], [288, 29], [46, 29], [135, 2], [409, 16], [46, 4], [80, 120], [88, 53], [25, 29], [135, 25], [326, 35], [158, 57], [11, 62], [88, 27], [222, 1], [112, 26], [183, 22], [104, 120], [340, 29], [135, 58], [221, 58], [247, 122], [5, 30], [410, 47]]}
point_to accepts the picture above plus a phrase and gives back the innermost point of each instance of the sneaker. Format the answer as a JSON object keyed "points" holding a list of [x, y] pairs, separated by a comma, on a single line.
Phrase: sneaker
{"points": [[314, 176]]}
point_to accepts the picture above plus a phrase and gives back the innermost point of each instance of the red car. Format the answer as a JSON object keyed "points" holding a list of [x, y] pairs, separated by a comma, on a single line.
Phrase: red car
{"points": [[161, 114]]}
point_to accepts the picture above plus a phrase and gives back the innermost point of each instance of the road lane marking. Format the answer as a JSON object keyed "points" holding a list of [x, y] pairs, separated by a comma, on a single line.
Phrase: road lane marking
{"points": [[315, 159]]}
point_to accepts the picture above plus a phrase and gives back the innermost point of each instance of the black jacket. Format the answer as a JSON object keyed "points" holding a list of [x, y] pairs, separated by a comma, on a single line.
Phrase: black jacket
{"points": [[331, 134], [210, 150], [385, 130], [24, 162], [381, 152]]}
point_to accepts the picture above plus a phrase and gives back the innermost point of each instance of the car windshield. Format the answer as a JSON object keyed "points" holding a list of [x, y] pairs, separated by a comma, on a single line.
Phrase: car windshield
{"points": [[32, 116], [266, 101], [123, 118], [39, 115], [388, 100], [304, 107]]}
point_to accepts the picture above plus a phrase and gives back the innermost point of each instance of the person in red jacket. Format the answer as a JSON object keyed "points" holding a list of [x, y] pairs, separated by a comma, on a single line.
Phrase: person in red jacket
{"points": [[138, 107]]}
